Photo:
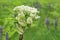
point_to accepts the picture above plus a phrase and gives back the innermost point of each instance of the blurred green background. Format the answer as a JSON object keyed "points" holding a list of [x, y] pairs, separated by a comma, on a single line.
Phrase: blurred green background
{"points": [[38, 30]]}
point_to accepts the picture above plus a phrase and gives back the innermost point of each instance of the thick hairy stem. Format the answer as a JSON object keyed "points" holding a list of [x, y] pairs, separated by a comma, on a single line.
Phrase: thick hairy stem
{"points": [[21, 37]]}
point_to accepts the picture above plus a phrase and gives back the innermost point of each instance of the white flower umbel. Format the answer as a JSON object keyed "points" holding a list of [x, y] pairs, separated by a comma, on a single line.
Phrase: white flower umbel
{"points": [[26, 8], [25, 15]]}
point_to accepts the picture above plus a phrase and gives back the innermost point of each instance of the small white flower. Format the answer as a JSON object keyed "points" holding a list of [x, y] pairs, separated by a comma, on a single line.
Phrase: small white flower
{"points": [[21, 16], [32, 15], [29, 20], [37, 17]]}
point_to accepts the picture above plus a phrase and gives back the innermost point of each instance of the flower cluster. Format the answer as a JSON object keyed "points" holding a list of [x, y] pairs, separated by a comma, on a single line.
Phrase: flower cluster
{"points": [[26, 8], [26, 15]]}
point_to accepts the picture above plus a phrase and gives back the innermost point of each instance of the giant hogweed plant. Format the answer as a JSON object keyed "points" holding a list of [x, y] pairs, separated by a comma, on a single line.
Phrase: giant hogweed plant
{"points": [[25, 16]]}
